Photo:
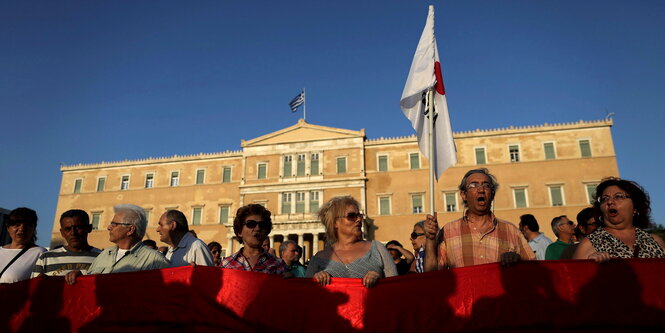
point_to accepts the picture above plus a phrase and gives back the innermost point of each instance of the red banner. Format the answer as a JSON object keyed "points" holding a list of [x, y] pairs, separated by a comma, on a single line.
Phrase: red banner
{"points": [[624, 295]]}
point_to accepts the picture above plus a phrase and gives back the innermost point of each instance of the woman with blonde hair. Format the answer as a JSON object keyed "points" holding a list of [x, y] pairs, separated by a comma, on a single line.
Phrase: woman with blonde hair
{"points": [[347, 254]]}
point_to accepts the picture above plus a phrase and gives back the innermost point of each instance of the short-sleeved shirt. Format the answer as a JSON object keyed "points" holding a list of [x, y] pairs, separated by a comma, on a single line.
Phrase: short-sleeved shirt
{"points": [[463, 246], [138, 258], [267, 263], [60, 261], [539, 245], [555, 250], [189, 250], [21, 268]]}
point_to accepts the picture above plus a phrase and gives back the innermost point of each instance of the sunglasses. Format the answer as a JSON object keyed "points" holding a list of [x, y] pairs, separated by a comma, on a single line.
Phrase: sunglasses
{"points": [[262, 224], [593, 224], [415, 235], [353, 216]]}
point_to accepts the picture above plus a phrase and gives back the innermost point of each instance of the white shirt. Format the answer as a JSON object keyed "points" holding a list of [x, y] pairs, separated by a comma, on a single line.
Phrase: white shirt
{"points": [[189, 249], [539, 245], [21, 268]]}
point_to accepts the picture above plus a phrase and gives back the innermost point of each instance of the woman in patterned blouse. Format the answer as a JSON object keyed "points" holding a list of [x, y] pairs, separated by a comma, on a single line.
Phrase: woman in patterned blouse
{"points": [[252, 225], [348, 255], [622, 206]]}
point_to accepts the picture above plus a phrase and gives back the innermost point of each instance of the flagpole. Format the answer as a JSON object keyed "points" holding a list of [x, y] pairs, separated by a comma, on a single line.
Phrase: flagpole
{"points": [[432, 174], [304, 109]]}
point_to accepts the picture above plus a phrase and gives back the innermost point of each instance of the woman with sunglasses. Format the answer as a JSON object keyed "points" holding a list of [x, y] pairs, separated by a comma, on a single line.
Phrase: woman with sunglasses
{"points": [[623, 209], [216, 251], [347, 254], [252, 225], [418, 242]]}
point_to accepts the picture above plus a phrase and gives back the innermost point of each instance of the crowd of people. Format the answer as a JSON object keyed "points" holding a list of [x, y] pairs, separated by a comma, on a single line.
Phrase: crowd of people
{"points": [[614, 227]]}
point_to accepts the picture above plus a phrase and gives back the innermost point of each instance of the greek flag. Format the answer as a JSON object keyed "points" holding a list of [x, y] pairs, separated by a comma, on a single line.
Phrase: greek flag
{"points": [[297, 101]]}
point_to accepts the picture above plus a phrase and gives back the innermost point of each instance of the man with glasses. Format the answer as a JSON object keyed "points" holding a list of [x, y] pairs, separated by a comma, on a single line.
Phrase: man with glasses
{"points": [[478, 237], [129, 254], [76, 255], [184, 248], [586, 225], [564, 230]]}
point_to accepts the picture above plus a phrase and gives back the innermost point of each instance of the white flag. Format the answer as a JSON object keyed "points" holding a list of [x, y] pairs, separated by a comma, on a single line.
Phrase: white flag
{"points": [[424, 74]]}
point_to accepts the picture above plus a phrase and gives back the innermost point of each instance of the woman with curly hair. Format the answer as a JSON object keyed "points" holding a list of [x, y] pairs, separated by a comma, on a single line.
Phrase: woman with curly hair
{"points": [[622, 207]]}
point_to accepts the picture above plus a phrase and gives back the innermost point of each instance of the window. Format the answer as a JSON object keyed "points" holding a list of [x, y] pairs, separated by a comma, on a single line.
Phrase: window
{"points": [[262, 169], [556, 195], [196, 215], [519, 195], [417, 203], [149, 180], [300, 202], [313, 202], [383, 163], [341, 164], [124, 183], [590, 191], [549, 150], [148, 214], [286, 203], [101, 183], [585, 148], [224, 214], [314, 164], [287, 165], [451, 202], [175, 178], [480, 156], [200, 176], [414, 160], [384, 205], [95, 220], [300, 167], [514, 153], [77, 185], [226, 174]]}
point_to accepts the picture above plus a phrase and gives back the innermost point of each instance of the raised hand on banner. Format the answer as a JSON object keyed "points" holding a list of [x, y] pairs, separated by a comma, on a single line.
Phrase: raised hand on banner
{"points": [[431, 226], [510, 258], [322, 277], [369, 280], [600, 256], [70, 278]]}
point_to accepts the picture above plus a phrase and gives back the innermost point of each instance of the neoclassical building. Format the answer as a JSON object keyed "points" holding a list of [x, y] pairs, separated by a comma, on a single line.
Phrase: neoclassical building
{"points": [[546, 170]]}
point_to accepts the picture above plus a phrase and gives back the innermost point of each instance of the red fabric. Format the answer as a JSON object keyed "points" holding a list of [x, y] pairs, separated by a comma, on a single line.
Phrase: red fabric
{"points": [[626, 295], [439, 78]]}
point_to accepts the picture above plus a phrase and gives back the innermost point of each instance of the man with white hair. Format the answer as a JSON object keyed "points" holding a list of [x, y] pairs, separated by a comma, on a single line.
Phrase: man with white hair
{"points": [[129, 254]]}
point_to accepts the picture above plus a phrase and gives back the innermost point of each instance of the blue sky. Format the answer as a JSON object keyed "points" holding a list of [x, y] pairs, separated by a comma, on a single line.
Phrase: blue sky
{"points": [[91, 81]]}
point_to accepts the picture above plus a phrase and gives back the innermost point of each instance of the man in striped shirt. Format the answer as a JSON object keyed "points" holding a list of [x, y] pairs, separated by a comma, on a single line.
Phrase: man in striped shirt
{"points": [[76, 255], [478, 237]]}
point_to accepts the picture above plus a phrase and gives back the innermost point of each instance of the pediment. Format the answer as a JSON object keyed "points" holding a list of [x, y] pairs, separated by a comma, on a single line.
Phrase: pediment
{"points": [[302, 132]]}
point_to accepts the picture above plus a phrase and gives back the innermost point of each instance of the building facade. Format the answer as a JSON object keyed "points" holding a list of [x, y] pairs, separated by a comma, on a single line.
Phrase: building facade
{"points": [[546, 170]]}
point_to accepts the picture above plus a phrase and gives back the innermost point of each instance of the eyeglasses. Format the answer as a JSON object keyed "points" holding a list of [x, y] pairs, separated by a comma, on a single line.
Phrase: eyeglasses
{"points": [[616, 197], [115, 224], [252, 224], [353, 216], [415, 235], [593, 224], [476, 186]]}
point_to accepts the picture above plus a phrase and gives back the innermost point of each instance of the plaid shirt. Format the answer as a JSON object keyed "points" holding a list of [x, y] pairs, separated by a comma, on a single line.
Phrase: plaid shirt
{"points": [[267, 263], [463, 246]]}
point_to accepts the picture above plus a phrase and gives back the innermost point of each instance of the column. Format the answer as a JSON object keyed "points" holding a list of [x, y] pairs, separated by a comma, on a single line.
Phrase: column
{"points": [[272, 241], [315, 243], [229, 246], [301, 242]]}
